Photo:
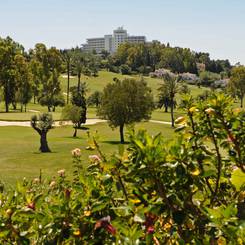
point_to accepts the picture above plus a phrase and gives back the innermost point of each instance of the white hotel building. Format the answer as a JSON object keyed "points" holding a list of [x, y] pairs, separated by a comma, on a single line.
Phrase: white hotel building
{"points": [[110, 43]]}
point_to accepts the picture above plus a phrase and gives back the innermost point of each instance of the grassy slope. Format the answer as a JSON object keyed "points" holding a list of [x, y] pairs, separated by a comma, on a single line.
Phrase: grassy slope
{"points": [[20, 156], [93, 84], [19, 145]]}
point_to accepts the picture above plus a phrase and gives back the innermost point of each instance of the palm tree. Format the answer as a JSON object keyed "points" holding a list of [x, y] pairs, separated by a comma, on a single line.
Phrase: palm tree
{"points": [[67, 58], [78, 66], [168, 90]]}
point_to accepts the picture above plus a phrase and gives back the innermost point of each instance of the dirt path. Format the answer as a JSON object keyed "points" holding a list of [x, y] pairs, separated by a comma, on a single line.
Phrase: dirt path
{"points": [[60, 123], [161, 122], [57, 123]]}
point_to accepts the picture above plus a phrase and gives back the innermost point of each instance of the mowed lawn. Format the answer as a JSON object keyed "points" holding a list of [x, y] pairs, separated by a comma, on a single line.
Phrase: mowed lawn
{"points": [[94, 84], [20, 156], [104, 77]]}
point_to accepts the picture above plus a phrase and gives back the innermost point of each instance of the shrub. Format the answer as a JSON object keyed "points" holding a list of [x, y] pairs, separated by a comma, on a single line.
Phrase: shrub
{"points": [[187, 191], [125, 69]]}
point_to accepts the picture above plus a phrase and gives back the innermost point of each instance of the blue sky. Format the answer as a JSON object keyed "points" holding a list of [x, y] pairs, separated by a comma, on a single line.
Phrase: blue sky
{"points": [[214, 26]]}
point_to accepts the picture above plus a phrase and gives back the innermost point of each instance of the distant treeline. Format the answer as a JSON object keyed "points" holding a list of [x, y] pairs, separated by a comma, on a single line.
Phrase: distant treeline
{"points": [[145, 58], [35, 73]]}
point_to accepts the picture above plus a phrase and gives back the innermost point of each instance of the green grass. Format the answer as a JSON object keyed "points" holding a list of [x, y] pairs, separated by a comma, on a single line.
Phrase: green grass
{"points": [[20, 156], [93, 84], [160, 115], [105, 77], [19, 145], [26, 116]]}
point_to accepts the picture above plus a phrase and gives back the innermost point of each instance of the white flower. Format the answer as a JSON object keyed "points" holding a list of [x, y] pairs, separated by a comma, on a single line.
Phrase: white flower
{"points": [[76, 152], [210, 111], [52, 184], [36, 180], [61, 172]]}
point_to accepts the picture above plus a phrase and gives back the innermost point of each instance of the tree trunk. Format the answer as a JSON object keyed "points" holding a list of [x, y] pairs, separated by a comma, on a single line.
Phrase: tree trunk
{"points": [[121, 134], [79, 82], [75, 132], [44, 143], [25, 107], [34, 99], [21, 107], [172, 112], [6, 106], [241, 100], [6, 97], [68, 84], [14, 105], [166, 104]]}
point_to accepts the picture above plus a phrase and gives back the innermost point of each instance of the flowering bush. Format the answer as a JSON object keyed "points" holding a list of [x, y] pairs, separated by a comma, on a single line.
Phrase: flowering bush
{"points": [[187, 191], [161, 73]]}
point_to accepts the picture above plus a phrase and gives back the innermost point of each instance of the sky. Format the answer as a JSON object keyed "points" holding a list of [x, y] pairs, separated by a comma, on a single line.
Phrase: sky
{"points": [[214, 26]]}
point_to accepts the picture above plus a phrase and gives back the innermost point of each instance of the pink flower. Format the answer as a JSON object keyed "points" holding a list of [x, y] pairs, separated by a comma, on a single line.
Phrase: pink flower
{"points": [[150, 220], [105, 223], [94, 158], [150, 230]]}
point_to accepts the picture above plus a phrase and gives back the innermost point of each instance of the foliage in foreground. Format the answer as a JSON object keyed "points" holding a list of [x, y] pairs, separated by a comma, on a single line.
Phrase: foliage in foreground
{"points": [[187, 191]]}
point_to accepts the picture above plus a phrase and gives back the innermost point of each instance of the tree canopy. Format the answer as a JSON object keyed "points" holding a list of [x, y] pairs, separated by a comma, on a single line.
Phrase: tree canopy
{"points": [[237, 82], [126, 102]]}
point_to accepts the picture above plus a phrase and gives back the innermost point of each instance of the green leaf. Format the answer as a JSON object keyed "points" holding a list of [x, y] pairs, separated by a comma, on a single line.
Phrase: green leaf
{"points": [[209, 173], [229, 211], [238, 178], [98, 206], [214, 213], [4, 233]]}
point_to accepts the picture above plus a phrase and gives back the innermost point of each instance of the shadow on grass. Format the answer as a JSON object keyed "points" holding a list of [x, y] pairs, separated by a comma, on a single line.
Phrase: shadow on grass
{"points": [[10, 111], [45, 153], [74, 138], [114, 142], [83, 128]]}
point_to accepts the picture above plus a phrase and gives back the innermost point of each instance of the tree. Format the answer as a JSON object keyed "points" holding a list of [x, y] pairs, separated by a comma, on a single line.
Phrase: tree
{"points": [[95, 98], [67, 58], [50, 66], [36, 70], [92, 63], [168, 90], [73, 113], [237, 82], [125, 69], [78, 99], [126, 102], [172, 59], [164, 101], [8, 50], [78, 66], [22, 78], [207, 78], [42, 125]]}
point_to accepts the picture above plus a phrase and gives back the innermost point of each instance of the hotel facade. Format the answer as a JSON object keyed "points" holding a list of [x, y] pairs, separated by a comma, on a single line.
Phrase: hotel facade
{"points": [[111, 43]]}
